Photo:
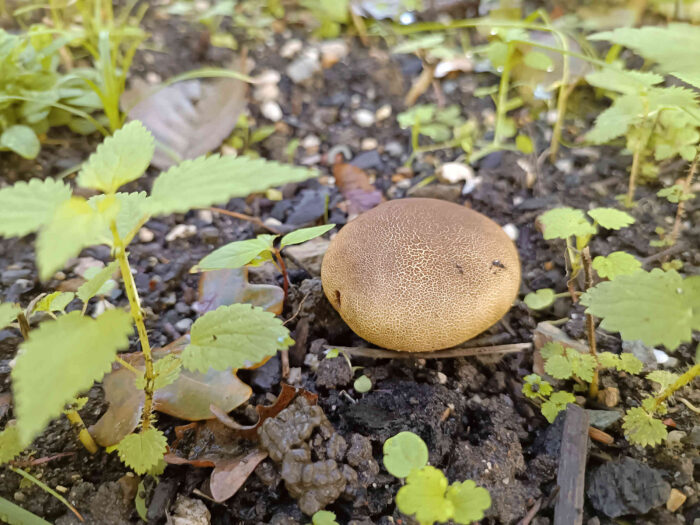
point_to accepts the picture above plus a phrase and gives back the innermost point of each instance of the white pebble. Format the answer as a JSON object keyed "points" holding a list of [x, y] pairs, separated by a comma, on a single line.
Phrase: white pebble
{"points": [[511, 231], [272, 111], [383, 112], [363, 118], [369, 144], [181, 231], [291, 48], [146, 235], [453, 172]]}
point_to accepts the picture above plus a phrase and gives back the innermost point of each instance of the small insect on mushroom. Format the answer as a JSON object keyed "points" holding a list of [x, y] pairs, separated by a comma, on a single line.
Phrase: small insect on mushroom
{"points": [[421, 274]]}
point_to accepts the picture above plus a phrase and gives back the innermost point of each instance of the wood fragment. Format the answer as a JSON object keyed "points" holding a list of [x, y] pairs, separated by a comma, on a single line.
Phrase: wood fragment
{"points": [[380, 353], [598, 435], [572, 467]]}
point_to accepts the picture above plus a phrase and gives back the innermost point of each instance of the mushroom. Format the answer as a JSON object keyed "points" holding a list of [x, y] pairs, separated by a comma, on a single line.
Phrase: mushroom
{"points": [[420, 274]]}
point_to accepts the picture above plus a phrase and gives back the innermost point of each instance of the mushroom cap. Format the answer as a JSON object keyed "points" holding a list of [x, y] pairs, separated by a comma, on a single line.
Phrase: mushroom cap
{"points": [[420, 274]]}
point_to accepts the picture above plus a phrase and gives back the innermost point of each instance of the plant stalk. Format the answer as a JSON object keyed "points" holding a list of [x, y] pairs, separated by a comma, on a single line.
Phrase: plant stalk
{"points": [[683, 380], [83, 434], [634, 172], [285, 276], [590, 323], [503, 96], [137, 315], [681, 204]]}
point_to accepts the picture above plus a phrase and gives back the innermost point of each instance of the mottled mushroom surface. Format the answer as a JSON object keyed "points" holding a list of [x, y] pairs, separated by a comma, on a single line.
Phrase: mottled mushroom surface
{"points": [[421, 274]]}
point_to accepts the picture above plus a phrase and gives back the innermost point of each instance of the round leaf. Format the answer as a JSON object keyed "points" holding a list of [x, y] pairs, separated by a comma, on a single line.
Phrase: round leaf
{"points": [[541, 299], [469, 501], [362, 384], [22, 140], [404, 453]]}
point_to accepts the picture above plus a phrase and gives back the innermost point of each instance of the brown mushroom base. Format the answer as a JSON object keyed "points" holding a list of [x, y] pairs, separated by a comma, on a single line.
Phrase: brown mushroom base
{"points": [[421, 274]]}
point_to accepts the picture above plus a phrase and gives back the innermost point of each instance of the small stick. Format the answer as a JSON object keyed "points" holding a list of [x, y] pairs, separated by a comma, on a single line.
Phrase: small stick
{"points": [[380, 353], [285, 363], [244, 217], [600, 436], [572, 467], [590, 323], [531, 513], [681, 204]]}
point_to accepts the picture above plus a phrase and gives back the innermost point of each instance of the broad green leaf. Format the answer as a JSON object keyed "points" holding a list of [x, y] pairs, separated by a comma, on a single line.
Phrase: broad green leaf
{"points": [[562, 223], [305, 234], [236, 336], [16, 515], [61, 359], [663, 377], [54, 302], [205, 181], [641, 428], [582, 365], [121, 158], [26, 207], [404, 453], [538, 60], [615, 264], [323, 517], [540, 299], [555, 404], [423, 496], [551, 349], [22, 140], [608, 360], [236, 254], [623, 81], [99, 283], [469, 501], [362, 384], [133, 209], [8, 314], [559, 367], [610, 218], [535, 387], [10, 443], [75, 226], [657, 307], [142, 451], [615, 121], [630, 364]]}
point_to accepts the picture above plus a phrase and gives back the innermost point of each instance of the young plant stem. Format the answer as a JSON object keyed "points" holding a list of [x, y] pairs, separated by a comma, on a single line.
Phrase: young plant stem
{"points": [[681, 203], [83, 435], [590, 322], [137, 315], [636, 162], [503, 96], [285, 276], [683, 380]]}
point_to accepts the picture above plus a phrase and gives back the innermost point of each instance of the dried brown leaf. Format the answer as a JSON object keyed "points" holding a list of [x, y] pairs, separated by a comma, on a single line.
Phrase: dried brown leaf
{"points": [[226, 287], [229, 475], [355, 186]]}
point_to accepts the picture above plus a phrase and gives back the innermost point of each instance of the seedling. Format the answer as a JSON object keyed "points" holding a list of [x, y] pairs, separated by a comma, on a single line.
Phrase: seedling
{"points": [[323, 517], [254, 252], [426, 494], [64, 357]]}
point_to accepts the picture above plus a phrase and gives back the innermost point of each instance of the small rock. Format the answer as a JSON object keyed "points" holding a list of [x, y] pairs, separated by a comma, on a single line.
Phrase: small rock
{"points": [[310, 254], [442, 378], [394, 149], [271, 110], [332, 51], [181, 231], [263, 378], [602, 419], [511, 231], [609, 396], [675, 439], [304, 67], [183, 325], [454, 172], [693, 438], [369, 143], [190, 511], [383, 113], [363, 118], [268, 77], [642, 352], [210, 234], [675, 499], [333, 373], [11, 275], [311, 360], [294, 377], [311, 143], [266, 92], [206, 216], [291, 48], [146, 235], [367, 160]]}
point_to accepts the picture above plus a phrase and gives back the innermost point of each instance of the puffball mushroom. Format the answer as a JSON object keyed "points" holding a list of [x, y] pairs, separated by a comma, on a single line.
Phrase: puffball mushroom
{"points": [[420, 274]]}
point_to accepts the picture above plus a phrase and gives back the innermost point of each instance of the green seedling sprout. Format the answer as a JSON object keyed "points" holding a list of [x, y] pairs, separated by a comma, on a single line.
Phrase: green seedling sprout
{"points": [[65, 356], [427, 495], [323, 517]]}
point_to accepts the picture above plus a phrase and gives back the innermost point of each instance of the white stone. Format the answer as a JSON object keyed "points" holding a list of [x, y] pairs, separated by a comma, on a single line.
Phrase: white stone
{"points": [[369, 144], [265, 92], [267, 77], [511, 231], [304, 67], [454, 172], [363, 118], [310, 142], [206, 216], [190, 511], [181, 231], [291, 48], [272, 111], [383, 113], [146, 235]]}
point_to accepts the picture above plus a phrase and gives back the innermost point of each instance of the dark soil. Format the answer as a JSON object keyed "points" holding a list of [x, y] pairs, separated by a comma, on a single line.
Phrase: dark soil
{"points": [[469, 411]]}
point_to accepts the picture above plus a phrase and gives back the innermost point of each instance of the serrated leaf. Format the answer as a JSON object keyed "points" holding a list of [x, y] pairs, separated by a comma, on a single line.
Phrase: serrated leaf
{"points": [[582, 365], [610, 218], [625, 81], [22, 140], [663, 377], [121, 158], [559, 367], [133, 210], [562, 223], [615, 264], [540, 299], [75, 225], [166, 371], [404, 453], [555, 404], [96, 284], [305, 234], [551, 349], [608, 360], [205, 181], [423, 496], [61, 359], [8, 313], [675, 194], [535, 387], [54, 302], [236, 336], [236, 254], [630, 364], [657, 307], [469, 501], [142, 451], [642, 428], [615, 121], [26, 207], [10, 444], [323, 517]]}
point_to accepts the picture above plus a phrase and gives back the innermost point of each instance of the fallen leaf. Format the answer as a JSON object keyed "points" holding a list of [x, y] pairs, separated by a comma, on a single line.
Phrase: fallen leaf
{"points": [[228, 476], [230, 286], [355, 186]]}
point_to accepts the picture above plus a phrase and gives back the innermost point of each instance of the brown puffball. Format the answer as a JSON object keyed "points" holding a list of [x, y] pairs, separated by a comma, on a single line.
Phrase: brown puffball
{"points": [[420, 274]]}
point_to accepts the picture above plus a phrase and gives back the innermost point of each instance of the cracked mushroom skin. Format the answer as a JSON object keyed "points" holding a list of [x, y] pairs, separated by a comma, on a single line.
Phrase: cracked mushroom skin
{"points": [[419, 275]]}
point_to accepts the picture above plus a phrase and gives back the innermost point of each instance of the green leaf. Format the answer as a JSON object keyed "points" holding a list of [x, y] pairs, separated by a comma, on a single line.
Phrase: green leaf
{"points": [[143, 451], [675, 194], [540, 299], [140, 501], [236, 336], [133, 210], [166, 370], [551, 349], [22, 140], [641, 428], [562, 223], [559, 367], [8, 314], [556, 403], [61, 359], [324, 517], [121, 158], [99, 283], [630, 364], [657, 307], [404, 453], [538, 60], [608, 360], [362, 384], [205, 181], [54, 302], [524, 144], [610, 218], [616, 120], [535, 387], [236, 254], [10, 443], [615, 264], [305, 234], [469, 501], [624, 81], [423, 496], [663, 377], [26, 207], [16, 515], [75, 226], [582, 365]]}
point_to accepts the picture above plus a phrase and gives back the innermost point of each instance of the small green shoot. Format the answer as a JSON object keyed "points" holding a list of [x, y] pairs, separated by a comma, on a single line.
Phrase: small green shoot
{"points": [[323, 517], [362, 384]]}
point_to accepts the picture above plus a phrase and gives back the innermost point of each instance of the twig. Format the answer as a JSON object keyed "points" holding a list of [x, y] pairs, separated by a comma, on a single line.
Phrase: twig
{"points": [[664, 253], [531, 513], [285, 363], [681, 203], [298, 308], [590, 322], [380, 353], [572, 467], [244, 217]]}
